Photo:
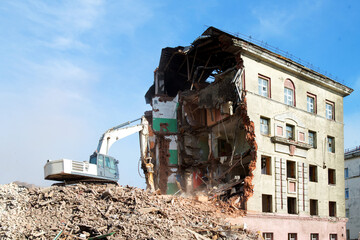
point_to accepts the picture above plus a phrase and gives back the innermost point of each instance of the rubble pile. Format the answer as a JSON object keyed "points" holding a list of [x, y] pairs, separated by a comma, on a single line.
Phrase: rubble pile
{"points": [[87, 211]]}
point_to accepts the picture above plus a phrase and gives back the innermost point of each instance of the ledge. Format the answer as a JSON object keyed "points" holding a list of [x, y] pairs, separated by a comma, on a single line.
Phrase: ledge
{"points": [[286, 141]]}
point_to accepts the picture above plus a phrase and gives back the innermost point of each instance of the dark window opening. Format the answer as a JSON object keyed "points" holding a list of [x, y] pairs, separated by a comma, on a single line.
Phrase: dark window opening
{"points": [[292, 236], [313, 207], [266, 203], [291, 205], [266, 165], [314, 236], [268, 236], [313, 173], [291, 169], [332, 209], [333, 236], [332, 176]]}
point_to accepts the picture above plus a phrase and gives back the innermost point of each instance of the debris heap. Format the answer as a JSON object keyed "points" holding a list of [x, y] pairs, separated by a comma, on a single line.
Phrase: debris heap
{"points": [[87, 211]]}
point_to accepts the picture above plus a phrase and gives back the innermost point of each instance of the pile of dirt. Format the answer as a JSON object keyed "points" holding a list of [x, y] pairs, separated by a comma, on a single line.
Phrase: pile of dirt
{"points": [[86, 211]]}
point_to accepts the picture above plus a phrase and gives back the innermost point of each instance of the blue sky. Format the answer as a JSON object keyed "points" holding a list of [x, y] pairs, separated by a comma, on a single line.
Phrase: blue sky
{"points": [[72, 69]]}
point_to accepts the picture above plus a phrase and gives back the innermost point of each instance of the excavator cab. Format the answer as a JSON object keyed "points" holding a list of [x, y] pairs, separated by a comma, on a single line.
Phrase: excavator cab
{"points": [[106, 165]]}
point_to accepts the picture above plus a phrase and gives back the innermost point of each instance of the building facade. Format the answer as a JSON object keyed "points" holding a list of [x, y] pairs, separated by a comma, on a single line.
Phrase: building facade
{"points": [[251, 127], [352, 192]]}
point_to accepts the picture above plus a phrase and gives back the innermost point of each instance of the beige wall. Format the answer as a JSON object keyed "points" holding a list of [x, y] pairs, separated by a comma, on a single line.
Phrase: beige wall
{"points": [[273, 107]]}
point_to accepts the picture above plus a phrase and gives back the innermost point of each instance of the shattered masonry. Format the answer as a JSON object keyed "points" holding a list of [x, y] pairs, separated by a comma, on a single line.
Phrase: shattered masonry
{"points": [[203, 137]]}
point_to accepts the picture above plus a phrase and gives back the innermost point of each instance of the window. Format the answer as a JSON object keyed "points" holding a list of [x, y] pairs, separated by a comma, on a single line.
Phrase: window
{"points": [[347, 213], [313, 173], [311, 103], [100, 161], [333, 236], [288, 96], [347, 234], [289, 92], [266, 165], [346, 172], [312, 138], [264, 126], [268, 236], [332, 209], [346, 193], [314, 236], [266, 203], [291, 169], [332, 176], [291, 205], [290, 132], [264, 86], [313, 207], [292, 236], [331, 144], [330, 110]]}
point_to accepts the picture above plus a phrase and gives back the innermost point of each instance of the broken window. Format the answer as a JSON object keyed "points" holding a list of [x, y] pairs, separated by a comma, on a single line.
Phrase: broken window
{"points": [[264, 125], [292, 236], [224, 148], [330, 113], [332, 209], [313, 173], [291, 169], [346, 193], [312, 138], [332, 176], [331, 144], [268, 236], [289, 93], [290, 131], [314, 236], [313, 207], [311, 103], [266, 203], [264, 86], [266, 165], [333, 236], [291, 205]]}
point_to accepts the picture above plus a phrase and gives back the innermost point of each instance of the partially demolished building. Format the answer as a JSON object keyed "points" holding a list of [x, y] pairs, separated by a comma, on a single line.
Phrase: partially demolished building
{"points": [[254, 128]]}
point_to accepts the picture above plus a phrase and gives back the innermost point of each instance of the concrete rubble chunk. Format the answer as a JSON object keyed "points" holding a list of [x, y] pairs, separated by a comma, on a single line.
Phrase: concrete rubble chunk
{"points": [[87, 211]]}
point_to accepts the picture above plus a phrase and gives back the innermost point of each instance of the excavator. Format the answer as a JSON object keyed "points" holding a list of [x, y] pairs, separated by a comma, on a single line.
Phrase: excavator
{"points": [[101, 167]]}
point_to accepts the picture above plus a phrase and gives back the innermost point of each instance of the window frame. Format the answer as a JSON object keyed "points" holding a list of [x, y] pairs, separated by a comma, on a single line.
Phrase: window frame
{"points": [[315, 177], [332, 204], [316, 202], [268, 125], [314, 143], [267, 165], [332, 104], [312, 96], [314, 236], [346, 173], [331, 180], [332, 236], [264, 78], [330, 144], [270, 237], [294, 237], [289, 87], [292, 127]]}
